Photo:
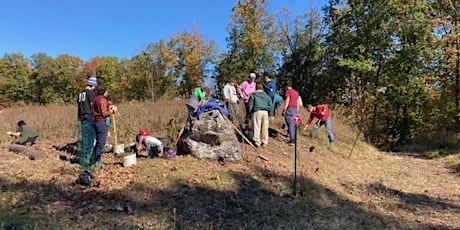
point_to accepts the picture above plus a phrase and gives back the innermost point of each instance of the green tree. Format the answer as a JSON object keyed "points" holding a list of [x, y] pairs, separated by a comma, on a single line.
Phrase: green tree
{"points": [[16, 83], [194, 56], [303, 55], [59, 80], [446, 21], [252, 43], [380, 54]]}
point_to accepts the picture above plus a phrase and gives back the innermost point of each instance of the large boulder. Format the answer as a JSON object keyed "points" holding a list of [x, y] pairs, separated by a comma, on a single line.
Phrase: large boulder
{"points": [[211, 136]]}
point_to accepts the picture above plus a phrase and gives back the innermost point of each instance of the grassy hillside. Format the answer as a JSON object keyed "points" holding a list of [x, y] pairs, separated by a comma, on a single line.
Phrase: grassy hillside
{"points": [[367, 189]]}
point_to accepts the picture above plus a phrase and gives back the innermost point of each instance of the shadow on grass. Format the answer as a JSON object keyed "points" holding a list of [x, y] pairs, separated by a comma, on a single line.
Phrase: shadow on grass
{"points": [[70, 148], [412, 200], [256, 203]]}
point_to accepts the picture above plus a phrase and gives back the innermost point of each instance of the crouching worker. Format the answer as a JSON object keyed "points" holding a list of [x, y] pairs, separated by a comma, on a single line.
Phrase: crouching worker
{"points": [[25, 135], [152, 145]]}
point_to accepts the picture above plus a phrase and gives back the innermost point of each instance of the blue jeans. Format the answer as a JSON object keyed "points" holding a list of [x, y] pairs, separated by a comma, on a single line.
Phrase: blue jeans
{"points": [[328, 124], [290, 113], [101, 129]]}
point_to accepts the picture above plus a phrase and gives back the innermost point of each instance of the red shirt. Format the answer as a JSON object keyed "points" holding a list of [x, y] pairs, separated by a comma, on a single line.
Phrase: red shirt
{"points": [[318, 112], [293, 96], [101, 108]]}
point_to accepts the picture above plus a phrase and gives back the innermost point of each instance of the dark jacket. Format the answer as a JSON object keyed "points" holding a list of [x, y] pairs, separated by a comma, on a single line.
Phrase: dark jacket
{"points": [[85, 103], [271, 88], [259, 100]]}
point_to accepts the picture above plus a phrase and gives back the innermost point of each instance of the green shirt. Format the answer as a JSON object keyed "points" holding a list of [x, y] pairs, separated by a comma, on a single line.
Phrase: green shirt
{"points": [[199, 93], [26, 132]]}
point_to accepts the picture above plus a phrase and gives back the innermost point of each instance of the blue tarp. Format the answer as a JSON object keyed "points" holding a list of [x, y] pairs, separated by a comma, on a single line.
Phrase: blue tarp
{"points": [[211, 105]]}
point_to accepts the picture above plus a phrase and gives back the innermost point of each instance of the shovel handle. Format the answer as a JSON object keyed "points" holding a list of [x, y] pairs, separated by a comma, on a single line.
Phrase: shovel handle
{"points": [[115, 129]]}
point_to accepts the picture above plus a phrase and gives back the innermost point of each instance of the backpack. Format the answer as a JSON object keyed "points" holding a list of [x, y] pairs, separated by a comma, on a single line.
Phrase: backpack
{"points": [[170, 152]]}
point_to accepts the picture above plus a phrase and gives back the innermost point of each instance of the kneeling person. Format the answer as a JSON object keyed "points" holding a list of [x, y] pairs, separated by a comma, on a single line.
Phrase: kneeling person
{"points": [[152, 145], [25, 135]]}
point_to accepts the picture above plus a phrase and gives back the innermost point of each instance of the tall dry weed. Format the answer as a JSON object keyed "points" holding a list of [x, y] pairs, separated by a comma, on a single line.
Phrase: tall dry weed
{"points": [[56, 122]]}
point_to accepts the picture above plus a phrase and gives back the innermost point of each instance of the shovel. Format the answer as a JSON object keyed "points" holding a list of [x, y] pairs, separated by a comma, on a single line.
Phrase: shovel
{"points": [[316, 129], [117, 149]]}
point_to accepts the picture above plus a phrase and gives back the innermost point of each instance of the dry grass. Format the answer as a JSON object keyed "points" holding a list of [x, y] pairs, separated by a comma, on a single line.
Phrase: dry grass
{"points": [[369, 190]]}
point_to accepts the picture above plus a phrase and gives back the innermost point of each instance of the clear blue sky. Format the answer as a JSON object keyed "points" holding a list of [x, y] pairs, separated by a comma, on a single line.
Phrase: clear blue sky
{"points": [[114, 28]]}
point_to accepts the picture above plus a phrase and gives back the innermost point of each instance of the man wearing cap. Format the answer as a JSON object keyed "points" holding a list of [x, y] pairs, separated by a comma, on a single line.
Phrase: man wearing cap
{"points": [[246, 89], [85, 116]]}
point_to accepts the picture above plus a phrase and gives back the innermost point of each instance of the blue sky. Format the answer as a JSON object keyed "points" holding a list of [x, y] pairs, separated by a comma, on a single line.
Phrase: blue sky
{"points": [[114, 28]]}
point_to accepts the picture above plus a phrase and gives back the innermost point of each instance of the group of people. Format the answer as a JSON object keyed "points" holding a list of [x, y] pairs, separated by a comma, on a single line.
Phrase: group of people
{"points": [[94, 113], [260, 102]]}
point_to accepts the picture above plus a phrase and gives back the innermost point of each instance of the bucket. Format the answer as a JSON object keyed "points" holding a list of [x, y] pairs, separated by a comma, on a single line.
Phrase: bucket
{"points": [[129, 160], [164, 140], [119, 149]]}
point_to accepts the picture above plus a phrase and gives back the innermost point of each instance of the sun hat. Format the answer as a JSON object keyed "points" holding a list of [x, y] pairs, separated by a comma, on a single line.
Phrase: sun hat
{"points": [[92, 81]]}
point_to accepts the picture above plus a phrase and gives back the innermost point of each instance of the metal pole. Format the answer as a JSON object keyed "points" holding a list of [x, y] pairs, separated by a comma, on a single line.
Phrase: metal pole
{"points": [[294, 193]]}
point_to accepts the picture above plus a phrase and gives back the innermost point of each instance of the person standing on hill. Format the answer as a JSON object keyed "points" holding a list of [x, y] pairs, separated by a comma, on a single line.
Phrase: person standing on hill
{"points": [[102, 110], [231, 99], [197, 98], [245, 90], [291, 108], [259, 105], [270, 88], [25, 135], [322, 113], [85, 116]]}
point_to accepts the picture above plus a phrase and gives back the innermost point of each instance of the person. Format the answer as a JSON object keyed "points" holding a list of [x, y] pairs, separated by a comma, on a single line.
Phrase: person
{"points": [[102, 110], [271, 91], [197, 98], [245, 90], [260, 105], [291, 108], [86, 158], [24, 135], [231, 99], [321, 112], [152, 145], [277, 103]]}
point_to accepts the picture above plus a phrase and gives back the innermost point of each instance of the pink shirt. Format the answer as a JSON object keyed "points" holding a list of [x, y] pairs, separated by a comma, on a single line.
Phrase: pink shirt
{"points": [[246, 89]]}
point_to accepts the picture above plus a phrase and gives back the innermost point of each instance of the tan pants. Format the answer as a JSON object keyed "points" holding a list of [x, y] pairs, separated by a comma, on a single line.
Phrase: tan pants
{"points": [[260, 124]]}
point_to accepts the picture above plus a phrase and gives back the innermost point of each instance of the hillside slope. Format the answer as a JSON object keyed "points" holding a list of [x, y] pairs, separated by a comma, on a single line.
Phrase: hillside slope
{"points": [[369, 190]]}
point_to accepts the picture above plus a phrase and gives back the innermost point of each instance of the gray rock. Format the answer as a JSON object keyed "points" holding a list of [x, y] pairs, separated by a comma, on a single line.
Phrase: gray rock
{"points": [[211, 136]]}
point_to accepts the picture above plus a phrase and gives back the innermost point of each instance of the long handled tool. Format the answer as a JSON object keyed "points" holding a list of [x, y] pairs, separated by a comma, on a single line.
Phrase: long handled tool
{"points": [[117, 149], [179, 134], [354, 143], [239, 132]]}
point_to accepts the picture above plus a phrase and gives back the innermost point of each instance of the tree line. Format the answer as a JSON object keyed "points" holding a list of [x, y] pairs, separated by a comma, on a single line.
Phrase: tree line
{"points": [[394, 65]]}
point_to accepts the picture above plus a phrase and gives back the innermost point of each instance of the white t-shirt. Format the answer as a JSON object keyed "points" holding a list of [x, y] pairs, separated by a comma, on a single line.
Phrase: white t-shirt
{"points": [[151, 143], [230, 93]]}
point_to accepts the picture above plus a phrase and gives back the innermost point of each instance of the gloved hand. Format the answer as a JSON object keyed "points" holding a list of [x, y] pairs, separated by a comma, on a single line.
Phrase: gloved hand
{"points": [[9, 133]]}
